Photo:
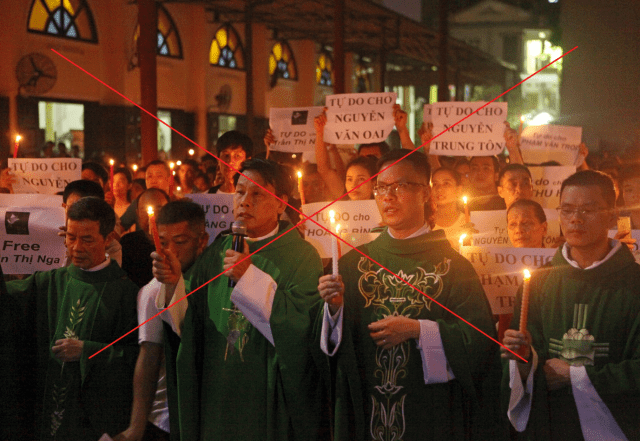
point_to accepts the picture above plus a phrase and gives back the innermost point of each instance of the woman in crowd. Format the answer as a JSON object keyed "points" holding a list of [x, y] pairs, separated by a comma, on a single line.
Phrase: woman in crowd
{"points": [[446, 187], [121, 186]]}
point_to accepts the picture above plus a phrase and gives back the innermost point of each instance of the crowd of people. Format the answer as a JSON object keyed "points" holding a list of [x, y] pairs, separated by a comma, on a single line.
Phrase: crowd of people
{"points": [[259, 341]]}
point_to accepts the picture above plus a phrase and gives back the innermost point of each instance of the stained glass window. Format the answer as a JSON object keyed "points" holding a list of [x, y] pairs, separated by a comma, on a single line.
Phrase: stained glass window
{"points": [[281, 62], [63, 18], [324, 69], [167, 34], [226, 48]]}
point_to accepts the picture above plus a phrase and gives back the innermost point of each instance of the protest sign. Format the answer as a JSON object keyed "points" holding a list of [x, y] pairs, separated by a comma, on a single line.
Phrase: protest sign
{"points": [[29, 235], [356, 219], [293, 128], [492, 227], [501, 271], [359, 118], [547, 182], [540, 144], [45, 176], [218, 211], [481, 134]]}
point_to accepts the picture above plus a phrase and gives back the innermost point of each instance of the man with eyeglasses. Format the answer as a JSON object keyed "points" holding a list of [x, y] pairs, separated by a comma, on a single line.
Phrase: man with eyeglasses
{"points": [[582, 344], [407, 367]]}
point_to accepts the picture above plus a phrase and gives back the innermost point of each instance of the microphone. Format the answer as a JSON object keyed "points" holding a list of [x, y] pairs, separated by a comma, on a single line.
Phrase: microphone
{"points": [[239, 231]]}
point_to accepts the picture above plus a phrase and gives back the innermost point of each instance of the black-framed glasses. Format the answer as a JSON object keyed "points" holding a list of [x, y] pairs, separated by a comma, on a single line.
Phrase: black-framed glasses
{"points": [[396, 188], [568, 212]]}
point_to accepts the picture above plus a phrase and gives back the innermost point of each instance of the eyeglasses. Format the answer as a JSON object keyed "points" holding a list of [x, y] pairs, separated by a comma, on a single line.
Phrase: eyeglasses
{"points": [[568, 212], [397, 188]]}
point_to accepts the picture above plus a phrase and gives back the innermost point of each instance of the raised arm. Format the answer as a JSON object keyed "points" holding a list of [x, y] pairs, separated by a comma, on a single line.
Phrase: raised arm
{"points": [[512, 140], [426, 133], [400, 117]]}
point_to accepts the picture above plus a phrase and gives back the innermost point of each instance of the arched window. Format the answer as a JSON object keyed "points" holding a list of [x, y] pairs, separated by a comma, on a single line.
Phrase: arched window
{"points": [[226, 48], [281, 62], [63, 18], [168, 39], [324, 69], [362, 78]]}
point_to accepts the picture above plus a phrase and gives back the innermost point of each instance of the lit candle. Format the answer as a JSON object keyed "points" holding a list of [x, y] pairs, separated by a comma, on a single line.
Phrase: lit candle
{"points": [[153, 228], [524, 309], [15, 147], [467, 218], [522, 118], [300, 190], [334, 255], [111, 162], [463, 236], [135, 167], [178, 163], [171, 174], [192, 152]]}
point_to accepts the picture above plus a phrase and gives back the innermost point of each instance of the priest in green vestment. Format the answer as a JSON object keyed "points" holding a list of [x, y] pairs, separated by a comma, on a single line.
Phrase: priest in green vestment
{"points": [[406, 367], [246, 367], [71, 313], [582, 347]]}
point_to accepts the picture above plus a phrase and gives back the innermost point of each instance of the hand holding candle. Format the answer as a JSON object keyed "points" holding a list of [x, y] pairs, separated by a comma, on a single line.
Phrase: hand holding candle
{"points": [[524, 309], [153, 229]]}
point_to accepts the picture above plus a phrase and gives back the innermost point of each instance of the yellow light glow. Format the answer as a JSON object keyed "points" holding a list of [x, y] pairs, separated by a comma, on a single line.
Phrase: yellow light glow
{"points": [[299, 175], [171, 165], [338, 229], [463, 236], [135, 167], [332, 216], [191, 152], [464, 199], [179, 188], [18, 138], [111, 162], [149, 210], [179, 163], [527, 274]]}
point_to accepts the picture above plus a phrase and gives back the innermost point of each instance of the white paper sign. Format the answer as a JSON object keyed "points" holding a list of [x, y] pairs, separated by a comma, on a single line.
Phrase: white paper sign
{"points": [[635, 234], [501, 271], [481, 134], [547, 182], [293, 128], [29, 234], [356, 219], [540, 144], [45, 176], [359, 118], [492, 227], [218, 211]]}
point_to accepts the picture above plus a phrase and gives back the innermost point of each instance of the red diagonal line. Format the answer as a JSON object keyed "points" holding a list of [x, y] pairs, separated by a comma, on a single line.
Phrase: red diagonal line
{"points": [[308, 217]]}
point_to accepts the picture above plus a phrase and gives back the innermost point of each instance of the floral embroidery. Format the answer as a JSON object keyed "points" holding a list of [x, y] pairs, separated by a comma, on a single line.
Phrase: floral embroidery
{"points": [[239, 327], [391, 297]]}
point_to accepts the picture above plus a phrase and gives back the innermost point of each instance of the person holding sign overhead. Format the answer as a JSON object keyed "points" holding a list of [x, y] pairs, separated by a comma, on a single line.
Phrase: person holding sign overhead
{"points": [[582, 343], [404, 365]]}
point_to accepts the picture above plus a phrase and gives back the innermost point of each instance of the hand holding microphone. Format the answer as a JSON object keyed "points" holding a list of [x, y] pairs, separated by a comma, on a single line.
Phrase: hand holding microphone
{"points": [[238, 251]]}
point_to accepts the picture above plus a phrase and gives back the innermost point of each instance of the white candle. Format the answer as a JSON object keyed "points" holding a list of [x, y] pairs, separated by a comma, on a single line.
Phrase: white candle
{"points": [[334, 252]]}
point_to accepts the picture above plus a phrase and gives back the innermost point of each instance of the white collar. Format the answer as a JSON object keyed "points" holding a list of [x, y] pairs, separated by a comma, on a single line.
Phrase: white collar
{"points": [[423, 230], [615, 246], [272, 233], [100, 266]]}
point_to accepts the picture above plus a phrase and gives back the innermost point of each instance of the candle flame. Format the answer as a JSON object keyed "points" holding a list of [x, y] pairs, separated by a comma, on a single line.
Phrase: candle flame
{"points": [[179, 163], [149, 210], [332, 216], [464, 199], [135, 167], [522, 118], [178, 188], [111, 161], [462, 238], [338, 229], [299, 175], [18, 138], [191, 152], [171, 165], [527, 274]]}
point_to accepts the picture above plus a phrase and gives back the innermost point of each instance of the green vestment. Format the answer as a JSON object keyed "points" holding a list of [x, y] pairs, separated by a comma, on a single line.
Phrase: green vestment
{"points": [[233, 383], [588, 318], [79, 400], [381, 393]]}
